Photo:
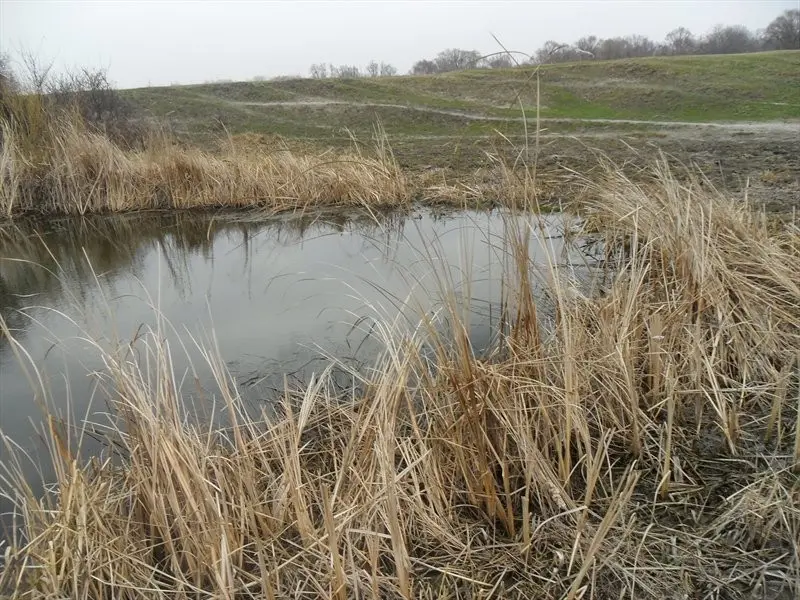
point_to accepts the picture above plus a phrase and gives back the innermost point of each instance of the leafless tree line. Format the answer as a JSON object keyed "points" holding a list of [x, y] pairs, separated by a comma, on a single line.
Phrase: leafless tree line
{"points": [[783, 33], [373, 69]]}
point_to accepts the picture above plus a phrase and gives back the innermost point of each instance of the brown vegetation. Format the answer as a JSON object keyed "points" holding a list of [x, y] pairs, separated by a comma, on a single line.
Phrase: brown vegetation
{"points": [[642, 442], [84, 172], [73, 146], [58, 164]]}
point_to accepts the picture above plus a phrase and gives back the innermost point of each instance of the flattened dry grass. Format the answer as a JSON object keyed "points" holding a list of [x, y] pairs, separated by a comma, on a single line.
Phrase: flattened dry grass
{"points": [[81, 171], [638, 443]]}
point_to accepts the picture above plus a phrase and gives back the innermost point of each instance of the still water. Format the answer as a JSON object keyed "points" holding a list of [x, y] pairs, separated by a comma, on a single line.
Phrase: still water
{"points": [[278, 297]]}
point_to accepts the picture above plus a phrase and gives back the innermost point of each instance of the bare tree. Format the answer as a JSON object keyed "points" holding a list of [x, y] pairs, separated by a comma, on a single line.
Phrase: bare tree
{"points": [[373, 69], [455, 59], [36, 72], [424, 67], [388, 70], [626, 47], [587, 45], [680, 41], [345, 72], [784, 32], [551, 51], [318, 71], [613, 48], [91, 94], [731, 39], [640, 45], [87, 94], [498, 61]]}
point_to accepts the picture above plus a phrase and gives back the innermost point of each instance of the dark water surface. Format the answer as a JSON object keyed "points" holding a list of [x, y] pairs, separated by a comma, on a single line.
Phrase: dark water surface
{"points": [[276, 295]]}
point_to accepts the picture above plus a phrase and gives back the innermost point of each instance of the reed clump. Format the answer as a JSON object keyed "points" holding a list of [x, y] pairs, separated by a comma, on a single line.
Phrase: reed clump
{"points": [[641, 442], [84, 171]]}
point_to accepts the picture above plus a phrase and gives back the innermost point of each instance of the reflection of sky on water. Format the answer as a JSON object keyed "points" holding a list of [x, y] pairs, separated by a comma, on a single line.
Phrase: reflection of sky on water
{"points": [[276, 295]]}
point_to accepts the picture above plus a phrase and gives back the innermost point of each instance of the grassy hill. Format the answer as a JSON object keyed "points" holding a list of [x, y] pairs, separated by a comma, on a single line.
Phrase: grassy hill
{"points": [[746, 87]]}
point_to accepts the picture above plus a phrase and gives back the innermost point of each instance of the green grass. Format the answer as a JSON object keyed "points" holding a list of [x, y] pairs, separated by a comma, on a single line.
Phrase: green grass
{"points": [[763, 86], [747, 87]]}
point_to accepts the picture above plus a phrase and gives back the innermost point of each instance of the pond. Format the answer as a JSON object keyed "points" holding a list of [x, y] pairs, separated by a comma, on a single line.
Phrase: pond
{"points": [[278, 297]]}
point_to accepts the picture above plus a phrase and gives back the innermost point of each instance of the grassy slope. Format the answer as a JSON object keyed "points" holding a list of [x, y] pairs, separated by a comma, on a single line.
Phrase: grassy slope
{"points": [[764, 86]]}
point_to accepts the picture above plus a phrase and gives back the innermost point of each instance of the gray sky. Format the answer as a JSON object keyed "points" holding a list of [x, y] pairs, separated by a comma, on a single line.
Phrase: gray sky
{"points": [[164, 42]]}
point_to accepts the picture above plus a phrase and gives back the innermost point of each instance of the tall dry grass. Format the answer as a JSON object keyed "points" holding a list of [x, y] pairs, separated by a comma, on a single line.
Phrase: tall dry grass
{"points": [[638, 443], [70, 145], [77, 170]]}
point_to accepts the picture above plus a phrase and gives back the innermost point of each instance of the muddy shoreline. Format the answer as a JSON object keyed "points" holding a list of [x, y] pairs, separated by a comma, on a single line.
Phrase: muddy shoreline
{"points": [[763, 168]]}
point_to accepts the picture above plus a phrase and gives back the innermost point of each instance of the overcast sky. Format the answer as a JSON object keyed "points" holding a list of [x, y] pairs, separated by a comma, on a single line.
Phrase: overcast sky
{"points": [[158, 43]]}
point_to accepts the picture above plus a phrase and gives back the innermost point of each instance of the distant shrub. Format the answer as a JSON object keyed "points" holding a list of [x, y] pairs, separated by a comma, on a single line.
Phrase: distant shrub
{"points": [[318, 71], [32, 101], [452, 59], [345, 71], [388, 70], [424, 67]]}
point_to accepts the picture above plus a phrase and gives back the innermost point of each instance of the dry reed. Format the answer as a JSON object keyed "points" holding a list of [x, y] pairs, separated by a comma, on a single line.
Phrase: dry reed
{"points": [[638, 443], [79, 171]]}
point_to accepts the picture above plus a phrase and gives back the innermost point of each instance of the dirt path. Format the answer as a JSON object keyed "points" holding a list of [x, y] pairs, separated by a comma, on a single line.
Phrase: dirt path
{"points": [[425, 109], [781, 128]]}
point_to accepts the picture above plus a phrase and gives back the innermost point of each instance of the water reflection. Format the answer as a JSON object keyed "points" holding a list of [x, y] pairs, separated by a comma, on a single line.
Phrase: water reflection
{"points": [[275, 295]]}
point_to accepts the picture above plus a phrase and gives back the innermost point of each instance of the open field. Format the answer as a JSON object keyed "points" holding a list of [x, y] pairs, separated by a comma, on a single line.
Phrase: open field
{"points": [[464, 138], [736, 116], [747, 87]]}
